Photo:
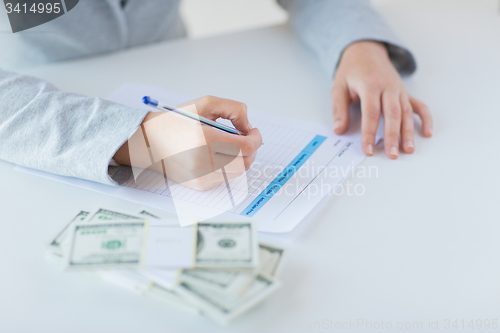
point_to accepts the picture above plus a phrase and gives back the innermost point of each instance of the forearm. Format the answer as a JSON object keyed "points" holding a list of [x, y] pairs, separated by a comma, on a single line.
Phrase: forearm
{"points": [[327, 27], [58, 132]]}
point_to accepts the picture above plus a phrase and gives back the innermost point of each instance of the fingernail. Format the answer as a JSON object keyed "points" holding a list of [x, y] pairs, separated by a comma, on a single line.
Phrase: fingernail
{"points": [[430, 130], [369, 149], [337, 124], [409, 144], [394, 151], [250, 126]]}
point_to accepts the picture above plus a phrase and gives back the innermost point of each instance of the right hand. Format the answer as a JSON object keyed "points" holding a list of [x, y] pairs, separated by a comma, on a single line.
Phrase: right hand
{"points": [[190, 153]]}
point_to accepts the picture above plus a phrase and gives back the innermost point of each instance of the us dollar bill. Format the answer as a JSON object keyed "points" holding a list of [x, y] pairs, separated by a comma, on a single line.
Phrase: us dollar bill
{"points": [[230, 272], [135, 281], [54, 246], [60, 243], [106, 215], [148, 214], [130, 243], [221, 307], [271, 260], [231, 283], [171, 298], [116, 244], [237, 283], [227, 245]]}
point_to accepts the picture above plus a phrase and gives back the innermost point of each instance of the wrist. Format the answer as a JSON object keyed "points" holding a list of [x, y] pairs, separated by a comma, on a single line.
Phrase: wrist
{"points": [[151, 115], [122, 155], [366, 46]]}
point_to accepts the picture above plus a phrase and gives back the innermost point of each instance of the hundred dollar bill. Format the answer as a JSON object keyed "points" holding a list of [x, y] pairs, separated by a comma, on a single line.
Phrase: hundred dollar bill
{"points": [[217, 245], [237, 283], [116, 244], [137, 282], [223, 308], [271, 260], [223, 245], [106, 215], [171, 298], [148, 214], [58, 246], [54, 245], [231, 283], [139, 279], [157, 221], [227, 245]]}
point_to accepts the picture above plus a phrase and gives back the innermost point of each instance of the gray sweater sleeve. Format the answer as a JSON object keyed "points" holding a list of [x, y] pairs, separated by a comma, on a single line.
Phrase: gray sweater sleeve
{"points": [[59, 132], [327, 27]]}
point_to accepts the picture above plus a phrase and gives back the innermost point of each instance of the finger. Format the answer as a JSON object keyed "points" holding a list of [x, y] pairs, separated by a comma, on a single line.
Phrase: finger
{"points": [[407, 126], [370, 116], [391, 108], [224, 148], [214, 107], [248, 144], [341, 101], [423, 112], [248, 161]]}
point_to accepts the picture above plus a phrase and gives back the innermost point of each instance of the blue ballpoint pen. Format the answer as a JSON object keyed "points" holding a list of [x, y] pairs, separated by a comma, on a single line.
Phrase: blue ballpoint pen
{"points": [[164, 107]]}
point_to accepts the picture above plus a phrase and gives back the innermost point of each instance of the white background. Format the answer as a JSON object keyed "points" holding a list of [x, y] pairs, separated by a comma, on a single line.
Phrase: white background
{"points": [[421, 245]]}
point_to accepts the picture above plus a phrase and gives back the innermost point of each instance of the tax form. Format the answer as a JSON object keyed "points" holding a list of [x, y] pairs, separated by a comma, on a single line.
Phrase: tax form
{"points": [[300, 164]]}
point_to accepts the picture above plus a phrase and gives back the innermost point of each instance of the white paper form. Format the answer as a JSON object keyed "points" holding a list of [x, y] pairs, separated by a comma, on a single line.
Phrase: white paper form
{"points": [[299, 165]]}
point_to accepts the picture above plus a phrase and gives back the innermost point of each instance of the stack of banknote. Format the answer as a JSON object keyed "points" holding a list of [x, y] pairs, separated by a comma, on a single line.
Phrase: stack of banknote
{"points": [[218, 269]]}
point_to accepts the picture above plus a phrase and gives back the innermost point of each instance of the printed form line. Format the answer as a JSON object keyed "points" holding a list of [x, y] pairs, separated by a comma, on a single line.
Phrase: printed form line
{"points": [[347, 145], [283, 177]]}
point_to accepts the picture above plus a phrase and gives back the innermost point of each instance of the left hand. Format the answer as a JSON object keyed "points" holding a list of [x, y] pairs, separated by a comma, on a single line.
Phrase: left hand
{"points": [[365, 73]]}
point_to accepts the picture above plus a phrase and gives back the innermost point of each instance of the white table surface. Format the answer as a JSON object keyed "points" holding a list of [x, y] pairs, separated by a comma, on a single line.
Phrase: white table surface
{"points": [[421, 244]]}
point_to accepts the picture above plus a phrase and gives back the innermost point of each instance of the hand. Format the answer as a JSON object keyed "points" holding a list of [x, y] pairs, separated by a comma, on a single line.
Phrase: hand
{"points": [[366, 73], [190, 153]]}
